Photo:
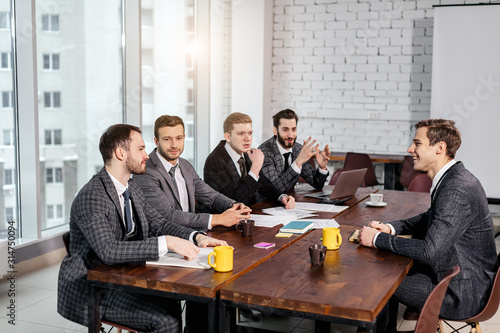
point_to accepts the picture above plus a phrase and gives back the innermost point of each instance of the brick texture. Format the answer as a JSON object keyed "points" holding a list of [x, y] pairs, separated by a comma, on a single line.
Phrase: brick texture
{"points": [[358, 73]]}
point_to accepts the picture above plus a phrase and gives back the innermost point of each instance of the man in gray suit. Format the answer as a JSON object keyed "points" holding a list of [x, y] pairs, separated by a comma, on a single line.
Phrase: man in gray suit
{"points": [[456, 230], [286, 160], [111, 223], [173, 187]]}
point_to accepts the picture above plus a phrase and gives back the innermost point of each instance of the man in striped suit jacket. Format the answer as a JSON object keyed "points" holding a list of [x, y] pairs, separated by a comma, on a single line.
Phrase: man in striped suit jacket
{"points": [[286, 160], [111, 223]]}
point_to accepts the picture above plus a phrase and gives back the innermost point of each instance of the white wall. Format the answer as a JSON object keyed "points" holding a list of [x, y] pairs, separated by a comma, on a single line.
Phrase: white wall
{"points": [[357, 73]]}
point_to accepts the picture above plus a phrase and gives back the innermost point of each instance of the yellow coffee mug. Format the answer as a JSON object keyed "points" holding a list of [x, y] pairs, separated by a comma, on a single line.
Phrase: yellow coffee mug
{"points": [[223, 258], [332, 238]]}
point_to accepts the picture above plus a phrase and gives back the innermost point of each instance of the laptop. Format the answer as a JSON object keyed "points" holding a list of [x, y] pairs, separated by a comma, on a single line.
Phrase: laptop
{"points": [[346, 185]]}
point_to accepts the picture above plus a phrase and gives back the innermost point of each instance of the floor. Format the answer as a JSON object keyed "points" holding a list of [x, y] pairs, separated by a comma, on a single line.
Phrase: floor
{"points": [[36, 309]]}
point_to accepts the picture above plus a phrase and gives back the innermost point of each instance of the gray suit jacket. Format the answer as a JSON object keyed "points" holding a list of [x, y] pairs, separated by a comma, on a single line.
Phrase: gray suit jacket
{"points": [[98, 237], [274, 166], [456, 230], [157, 187]]}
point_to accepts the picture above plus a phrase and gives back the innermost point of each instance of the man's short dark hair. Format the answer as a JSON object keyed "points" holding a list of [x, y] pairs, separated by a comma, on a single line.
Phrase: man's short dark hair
{"points": [[167, 121], [115, 136], [442, 130], [284, 114]]}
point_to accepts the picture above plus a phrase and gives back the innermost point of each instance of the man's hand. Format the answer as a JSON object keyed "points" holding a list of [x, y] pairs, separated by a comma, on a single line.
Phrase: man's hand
{"points": [[288, 201], [183, 247], [232, 216], [366, 236], [256, 156], [323, 158], [382, 227], [308, 150], [204, 241]]}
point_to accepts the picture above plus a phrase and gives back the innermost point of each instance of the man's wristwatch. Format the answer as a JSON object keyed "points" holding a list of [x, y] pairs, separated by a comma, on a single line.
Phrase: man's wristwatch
{"points": [[196, 234]]}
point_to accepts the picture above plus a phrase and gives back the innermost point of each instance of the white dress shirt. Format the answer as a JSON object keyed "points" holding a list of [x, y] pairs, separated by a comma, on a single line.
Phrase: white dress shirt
{"points": [[235, 158], [120, 188]]}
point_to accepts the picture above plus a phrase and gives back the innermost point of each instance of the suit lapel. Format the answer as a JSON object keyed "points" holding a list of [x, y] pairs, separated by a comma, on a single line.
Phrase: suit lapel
{"points": [[280, 166], [448, 175], [111, 191], [189, 185], [161, 169], [229, 164]]}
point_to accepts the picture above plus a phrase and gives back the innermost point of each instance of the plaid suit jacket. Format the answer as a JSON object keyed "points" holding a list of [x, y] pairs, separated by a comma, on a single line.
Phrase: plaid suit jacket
{"points": [[98, 237], [456, 230], [159, 193], [221, 174], [274, 167]]}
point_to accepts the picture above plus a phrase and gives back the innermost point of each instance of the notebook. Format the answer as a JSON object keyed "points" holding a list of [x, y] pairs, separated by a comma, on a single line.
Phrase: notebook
{"points": [[297, 227], [346, 185]]}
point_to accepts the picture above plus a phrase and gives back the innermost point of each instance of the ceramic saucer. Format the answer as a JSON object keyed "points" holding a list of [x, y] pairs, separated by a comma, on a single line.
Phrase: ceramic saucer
{"points": [[382, 204]]}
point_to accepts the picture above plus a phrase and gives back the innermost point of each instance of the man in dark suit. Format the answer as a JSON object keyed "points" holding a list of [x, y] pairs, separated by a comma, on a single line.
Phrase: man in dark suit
{"points": [[456, 230], [233, 167], [286, 160], [173, 187], [111, 223]]}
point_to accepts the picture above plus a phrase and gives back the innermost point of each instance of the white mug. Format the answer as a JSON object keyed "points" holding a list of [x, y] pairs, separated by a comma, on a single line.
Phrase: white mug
{"points": [[376, 198]]}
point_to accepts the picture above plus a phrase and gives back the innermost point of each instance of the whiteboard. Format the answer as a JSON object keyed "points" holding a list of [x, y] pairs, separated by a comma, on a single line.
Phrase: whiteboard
{"points": [[466, 85]]}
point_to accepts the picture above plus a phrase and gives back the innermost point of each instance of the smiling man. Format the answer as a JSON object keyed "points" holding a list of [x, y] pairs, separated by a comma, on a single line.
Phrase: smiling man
{"points": [[234, 168], [173, 187], [286, 160], [456, 230]]}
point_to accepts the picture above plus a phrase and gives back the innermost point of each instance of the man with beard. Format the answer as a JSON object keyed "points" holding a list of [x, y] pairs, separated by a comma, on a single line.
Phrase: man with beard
{"points": [[111, 223], [286, 160], [173, 187], [456, 230]]}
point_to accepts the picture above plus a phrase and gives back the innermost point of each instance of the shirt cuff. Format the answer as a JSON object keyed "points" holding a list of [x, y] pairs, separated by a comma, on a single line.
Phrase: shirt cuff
{"points": [[162, 246], [393, 231], [193, 234], [296, 168], [375, 238], [281, 197], [323, 172], [209, 227], [253, 176]]}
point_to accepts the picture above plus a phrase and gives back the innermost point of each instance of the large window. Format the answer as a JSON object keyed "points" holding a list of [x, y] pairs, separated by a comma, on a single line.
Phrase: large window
{"points": [[8, 202], [77, 101], [167, 66]]}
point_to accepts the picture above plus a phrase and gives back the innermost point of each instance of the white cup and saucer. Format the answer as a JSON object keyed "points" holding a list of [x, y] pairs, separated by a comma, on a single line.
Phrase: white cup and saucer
{"points": [[376, 200]]}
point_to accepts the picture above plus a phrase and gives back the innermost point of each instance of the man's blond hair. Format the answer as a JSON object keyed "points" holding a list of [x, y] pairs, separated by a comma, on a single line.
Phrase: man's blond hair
{"points": [[235, 118]]}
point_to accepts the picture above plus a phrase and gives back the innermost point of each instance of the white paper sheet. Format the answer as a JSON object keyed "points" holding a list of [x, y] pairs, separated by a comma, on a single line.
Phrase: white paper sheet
{"points": [[176, 260], [319, 207], [323, 223], [270, 221], [295, 213]]}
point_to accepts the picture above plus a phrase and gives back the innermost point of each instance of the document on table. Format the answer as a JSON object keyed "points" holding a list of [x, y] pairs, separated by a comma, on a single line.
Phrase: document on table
{"points": [[319, 207], [270, 221], [176, 260], [295, 213], [322, 223]]}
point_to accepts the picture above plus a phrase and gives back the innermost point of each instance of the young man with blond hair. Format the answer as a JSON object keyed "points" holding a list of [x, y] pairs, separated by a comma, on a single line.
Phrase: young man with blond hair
{"points": [[234, 167]]}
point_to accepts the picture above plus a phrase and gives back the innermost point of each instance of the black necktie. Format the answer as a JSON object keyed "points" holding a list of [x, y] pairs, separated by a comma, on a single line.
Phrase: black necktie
{"points": [[286, 155], [128, 212], [243, 167], [172, 178]]}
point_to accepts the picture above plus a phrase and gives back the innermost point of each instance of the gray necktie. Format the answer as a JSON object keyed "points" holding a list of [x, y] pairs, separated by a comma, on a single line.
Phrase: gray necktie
{"points": [[172, 178], [128, 211]]}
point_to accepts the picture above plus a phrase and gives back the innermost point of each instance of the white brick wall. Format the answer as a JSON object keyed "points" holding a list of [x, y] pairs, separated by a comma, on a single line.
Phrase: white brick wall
{"points": [[358, 72]]}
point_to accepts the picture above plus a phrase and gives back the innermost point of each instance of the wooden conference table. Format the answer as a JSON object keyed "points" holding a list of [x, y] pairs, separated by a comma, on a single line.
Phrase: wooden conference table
{"points": [[206, 285]]}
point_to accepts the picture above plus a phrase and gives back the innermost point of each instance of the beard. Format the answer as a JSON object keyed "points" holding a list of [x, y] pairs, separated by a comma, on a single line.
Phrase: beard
{"points": [[165, 155], [285, 144], [135, 167]]}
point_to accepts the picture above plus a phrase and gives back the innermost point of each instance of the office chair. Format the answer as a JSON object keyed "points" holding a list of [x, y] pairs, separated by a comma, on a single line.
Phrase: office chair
{"points": [[355, 161], [407, 172], [428, 320], [420, 183], [66, 240]]}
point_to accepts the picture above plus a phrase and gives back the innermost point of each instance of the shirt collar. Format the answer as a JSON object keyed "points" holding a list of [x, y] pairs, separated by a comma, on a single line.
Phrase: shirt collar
{"points": [[166, 164], [281, 149], [440, 173], [119, 187], [234, 155]]}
